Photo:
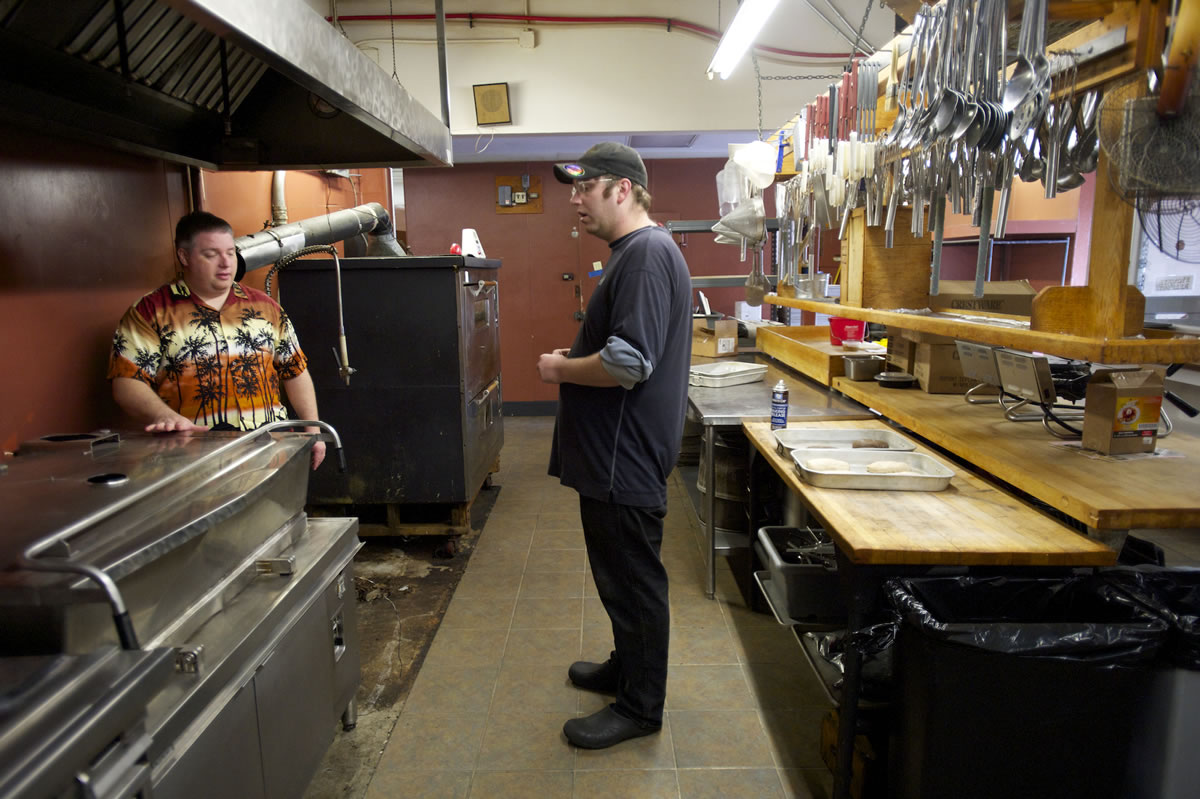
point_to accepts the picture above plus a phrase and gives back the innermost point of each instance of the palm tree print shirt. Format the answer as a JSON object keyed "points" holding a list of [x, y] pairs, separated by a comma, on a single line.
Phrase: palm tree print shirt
{"points": [[210, 366]]}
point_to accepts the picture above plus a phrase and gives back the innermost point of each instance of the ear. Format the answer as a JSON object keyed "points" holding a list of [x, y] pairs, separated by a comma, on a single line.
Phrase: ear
{"points": [[182, 255]]}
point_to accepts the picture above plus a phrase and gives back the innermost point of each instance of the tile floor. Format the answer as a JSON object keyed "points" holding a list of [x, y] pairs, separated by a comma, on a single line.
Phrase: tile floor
{"points": [[485, 715]]}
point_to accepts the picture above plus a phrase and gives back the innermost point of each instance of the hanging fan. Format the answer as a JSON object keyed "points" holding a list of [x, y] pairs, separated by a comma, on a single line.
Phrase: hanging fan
{"points": [[1173, 226], [1153, 144]]}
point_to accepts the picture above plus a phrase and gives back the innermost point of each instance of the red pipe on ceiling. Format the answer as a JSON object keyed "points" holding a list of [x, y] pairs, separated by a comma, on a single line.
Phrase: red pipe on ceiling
{"points": [[656, 21]]}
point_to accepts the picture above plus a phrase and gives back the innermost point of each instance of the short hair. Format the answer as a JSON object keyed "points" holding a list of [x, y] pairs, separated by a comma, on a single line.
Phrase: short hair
{"points": [[640, 195], [189, 225]]}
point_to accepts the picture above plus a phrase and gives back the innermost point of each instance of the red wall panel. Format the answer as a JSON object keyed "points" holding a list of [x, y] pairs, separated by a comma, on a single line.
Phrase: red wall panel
{"points": [[536, 304]]}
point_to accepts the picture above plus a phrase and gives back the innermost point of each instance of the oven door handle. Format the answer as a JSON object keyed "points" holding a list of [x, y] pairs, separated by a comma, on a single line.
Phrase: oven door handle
{"points": [[482, 396], [482, 286]]}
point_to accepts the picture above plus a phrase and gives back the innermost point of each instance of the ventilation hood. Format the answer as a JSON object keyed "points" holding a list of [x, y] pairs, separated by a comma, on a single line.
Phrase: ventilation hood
{"points": [[223, 84]]}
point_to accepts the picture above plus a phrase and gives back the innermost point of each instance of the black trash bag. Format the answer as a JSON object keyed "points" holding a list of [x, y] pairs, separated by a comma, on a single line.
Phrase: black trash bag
{"points": [[1084, 618], [875, 643], [1174, 596]]}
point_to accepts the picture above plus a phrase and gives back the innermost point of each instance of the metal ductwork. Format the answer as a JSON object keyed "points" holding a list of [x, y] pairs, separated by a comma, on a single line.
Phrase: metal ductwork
{"points": [[222, 84], [268, 246]]}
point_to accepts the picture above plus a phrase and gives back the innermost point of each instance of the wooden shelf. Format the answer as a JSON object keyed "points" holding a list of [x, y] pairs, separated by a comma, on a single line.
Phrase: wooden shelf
{"points": [[1153, 349], [1102, 493]]}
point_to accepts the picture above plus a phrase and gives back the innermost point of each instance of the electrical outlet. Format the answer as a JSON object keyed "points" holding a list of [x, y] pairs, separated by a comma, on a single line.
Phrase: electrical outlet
{"points": [[1025, 375], [518, 197]]}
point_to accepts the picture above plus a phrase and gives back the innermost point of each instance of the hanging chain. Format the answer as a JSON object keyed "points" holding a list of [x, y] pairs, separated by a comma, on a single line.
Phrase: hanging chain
{"points": [[802, 77], [858, 36], [758, 84], [392, 20]]}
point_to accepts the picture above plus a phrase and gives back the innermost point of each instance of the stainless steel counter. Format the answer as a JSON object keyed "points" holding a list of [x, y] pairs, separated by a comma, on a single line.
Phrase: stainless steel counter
{"points": [[722, 409]]}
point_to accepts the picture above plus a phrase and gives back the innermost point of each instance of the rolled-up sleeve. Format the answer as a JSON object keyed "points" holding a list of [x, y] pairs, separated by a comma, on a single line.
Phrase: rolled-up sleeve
{"points": [[624, 363]]}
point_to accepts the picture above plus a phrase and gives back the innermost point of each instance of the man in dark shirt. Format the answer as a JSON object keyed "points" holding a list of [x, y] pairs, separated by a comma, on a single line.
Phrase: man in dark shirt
{"points": [[622, 399]]}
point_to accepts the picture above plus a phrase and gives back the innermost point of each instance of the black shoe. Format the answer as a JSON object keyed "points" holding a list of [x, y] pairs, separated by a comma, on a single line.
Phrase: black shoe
{"points": [[600, 677], [603, 729]]}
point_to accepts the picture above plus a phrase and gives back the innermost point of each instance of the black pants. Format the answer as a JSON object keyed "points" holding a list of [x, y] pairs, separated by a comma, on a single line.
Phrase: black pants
{"points": [[623, 544]]}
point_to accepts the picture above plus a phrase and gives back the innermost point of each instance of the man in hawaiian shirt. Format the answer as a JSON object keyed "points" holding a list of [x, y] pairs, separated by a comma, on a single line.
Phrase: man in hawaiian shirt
{"points": [[205, 352]]}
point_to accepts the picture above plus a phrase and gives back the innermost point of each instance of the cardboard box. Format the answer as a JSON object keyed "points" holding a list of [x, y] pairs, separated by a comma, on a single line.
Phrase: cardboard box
{"points": [[714, 339], [939, 371], [901, 354], [1122, 409], [999, 296]]}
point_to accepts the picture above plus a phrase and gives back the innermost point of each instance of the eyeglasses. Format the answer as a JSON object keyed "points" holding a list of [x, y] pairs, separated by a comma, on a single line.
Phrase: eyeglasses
{"points": [[585, 186]]}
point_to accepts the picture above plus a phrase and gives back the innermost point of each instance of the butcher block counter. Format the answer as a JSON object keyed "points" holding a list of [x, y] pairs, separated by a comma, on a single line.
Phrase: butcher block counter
{"points": [[1102, 493], [969, 523]]}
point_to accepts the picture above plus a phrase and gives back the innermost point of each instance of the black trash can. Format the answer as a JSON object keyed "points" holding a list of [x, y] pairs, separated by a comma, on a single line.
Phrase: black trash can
{"points": [[1017, 687], [1167, 730]]}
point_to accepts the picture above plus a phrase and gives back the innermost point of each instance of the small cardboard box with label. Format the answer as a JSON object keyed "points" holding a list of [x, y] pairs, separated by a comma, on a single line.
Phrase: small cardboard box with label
{"points": [[939, 371], [999, 296], [1122, 409], [714, 339]]}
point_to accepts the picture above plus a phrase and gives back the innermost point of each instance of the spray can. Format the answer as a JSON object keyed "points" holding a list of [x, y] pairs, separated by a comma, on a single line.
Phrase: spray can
{"points": [[779, 406]]}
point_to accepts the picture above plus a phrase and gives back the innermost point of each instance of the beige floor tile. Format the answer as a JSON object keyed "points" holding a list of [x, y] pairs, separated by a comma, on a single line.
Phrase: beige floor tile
{"points": [[515, 518], [694, 610], [548, 613], [389, 783], [523, 740], [648, 752], [785, 686], [807, 783], [434, 741], [640, 784], [701, 645], [520, 785], [774, 644], [589, 586], [555, 560], [486, 583], [594, 613], [590, 702], [719, 739], [499, 544], [708, 688], [508, 562], [738, 783], [559, 648], [597, 642], [452, 689], [465, 648], [558, 517], [478, 613], [524, 687], [795, 736], [558, 539], [553, 584]]}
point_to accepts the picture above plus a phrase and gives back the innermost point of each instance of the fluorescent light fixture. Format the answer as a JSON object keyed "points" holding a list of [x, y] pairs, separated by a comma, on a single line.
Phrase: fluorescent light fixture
{"points": [[749, 20]]}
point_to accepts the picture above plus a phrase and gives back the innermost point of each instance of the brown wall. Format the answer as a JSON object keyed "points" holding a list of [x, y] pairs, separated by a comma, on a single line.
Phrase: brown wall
{"points": [[86, 232], [536, 304]]}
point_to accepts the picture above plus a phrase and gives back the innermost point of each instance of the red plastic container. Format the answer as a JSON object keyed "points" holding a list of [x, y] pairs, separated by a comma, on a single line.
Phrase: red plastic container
{"points": [[842, 329]]}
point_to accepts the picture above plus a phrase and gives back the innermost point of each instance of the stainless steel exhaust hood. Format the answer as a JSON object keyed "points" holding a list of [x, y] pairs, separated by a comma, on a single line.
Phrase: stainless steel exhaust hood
{"points": [[224, 84]]}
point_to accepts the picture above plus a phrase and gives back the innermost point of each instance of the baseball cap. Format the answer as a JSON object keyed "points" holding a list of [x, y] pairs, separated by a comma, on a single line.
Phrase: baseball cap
{"points": [[606, 158]]}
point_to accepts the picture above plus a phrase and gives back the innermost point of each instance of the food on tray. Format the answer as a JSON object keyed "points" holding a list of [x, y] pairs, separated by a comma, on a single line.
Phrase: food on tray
{"points": [[819, 446], [887, 467], [870, 443], [828, 465]]}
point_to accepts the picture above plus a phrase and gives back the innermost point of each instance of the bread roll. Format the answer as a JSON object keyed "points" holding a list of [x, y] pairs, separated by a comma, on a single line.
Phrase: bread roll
{"points": [[828, 465], [887, 467], [870, 443]]}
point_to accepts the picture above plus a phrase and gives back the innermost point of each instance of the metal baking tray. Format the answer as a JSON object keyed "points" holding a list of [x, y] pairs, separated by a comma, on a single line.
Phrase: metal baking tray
{"points": [[838, 438], [716, 375], [927, 474]]}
